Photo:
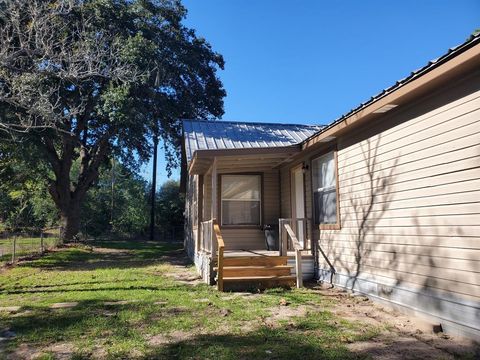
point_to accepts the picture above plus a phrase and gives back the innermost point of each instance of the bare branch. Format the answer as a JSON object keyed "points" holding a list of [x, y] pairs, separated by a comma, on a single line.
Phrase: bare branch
{"points": [[46, 55]]}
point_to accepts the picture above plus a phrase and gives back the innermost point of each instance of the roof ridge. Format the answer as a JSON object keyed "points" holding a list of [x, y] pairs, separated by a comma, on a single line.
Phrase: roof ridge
{"points": [[251, 122]]}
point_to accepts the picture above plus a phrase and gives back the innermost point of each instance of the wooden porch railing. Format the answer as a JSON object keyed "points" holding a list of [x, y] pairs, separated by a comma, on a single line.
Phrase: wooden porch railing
{"points": [[299, 225], [220, 247], [298, 254]]}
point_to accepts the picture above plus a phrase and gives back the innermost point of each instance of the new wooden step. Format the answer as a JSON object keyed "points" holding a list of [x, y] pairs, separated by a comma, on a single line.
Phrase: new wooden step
{"points": [[258, 282], [253, 271], [258, 278], [255, 261]]}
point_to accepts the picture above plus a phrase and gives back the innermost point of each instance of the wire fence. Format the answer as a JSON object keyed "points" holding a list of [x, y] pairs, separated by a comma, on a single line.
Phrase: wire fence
{"points": [[24, 243], [171, 234]]}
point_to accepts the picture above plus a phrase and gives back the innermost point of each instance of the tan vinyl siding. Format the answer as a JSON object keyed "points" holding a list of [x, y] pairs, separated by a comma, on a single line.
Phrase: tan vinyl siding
{"points": [[207, 197], [285, 192], [409, 189], [271, 197]]}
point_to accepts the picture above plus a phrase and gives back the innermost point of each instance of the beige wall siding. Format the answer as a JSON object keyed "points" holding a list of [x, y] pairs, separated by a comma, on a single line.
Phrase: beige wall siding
{"points": [[285, 192], [207, 197], [410, 200], [271, 197]]}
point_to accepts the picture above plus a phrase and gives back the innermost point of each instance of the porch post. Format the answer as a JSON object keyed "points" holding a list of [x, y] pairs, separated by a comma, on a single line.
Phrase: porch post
{"points": [[214, 202], [199, 212]]}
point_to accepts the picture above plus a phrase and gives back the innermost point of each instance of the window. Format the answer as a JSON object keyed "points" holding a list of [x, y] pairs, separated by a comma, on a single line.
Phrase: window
{"points": [[240, 199], [324, 183]]}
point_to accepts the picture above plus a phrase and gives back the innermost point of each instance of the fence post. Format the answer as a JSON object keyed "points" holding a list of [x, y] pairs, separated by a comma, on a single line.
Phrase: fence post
{"points": [[42, 249], [14, 248]]}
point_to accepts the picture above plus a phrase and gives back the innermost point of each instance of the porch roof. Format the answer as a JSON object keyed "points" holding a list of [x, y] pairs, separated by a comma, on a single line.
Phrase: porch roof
{"points": [[224, 135]]}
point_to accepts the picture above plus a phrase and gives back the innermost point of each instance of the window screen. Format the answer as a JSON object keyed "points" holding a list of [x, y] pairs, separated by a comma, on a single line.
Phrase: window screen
{"points": [[240, 199], [324, 189]]}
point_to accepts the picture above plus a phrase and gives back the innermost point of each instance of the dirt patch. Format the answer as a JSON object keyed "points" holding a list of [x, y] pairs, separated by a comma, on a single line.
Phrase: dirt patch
{"points": [[400, 347], [101, 250], [173, 337], [409, 336], [283, 313], [185, 276], [99, 353], [23, 351], [65, 305], [61, 351], [10, 309]]}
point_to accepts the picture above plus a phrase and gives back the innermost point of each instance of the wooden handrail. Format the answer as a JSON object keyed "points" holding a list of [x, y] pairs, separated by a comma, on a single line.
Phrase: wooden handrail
{"points": [[302, 232], [298, 254], [220, 249]]}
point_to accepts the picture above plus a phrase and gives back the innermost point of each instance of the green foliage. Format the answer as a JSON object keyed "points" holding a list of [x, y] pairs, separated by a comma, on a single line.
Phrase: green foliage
{"points": [[83, 81], [117, 203], [24, 200], [170, 204]]}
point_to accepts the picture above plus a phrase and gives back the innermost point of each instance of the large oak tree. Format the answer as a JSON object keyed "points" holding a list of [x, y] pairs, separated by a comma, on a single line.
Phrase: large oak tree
{"points": [[81, 80]]}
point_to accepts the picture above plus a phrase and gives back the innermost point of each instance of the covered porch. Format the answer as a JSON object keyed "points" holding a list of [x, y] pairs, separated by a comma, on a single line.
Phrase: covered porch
{"points": [[238, 194]]}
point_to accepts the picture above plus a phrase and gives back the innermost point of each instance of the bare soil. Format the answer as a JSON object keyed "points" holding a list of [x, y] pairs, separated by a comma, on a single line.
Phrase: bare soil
{"points": [[404, 337]]}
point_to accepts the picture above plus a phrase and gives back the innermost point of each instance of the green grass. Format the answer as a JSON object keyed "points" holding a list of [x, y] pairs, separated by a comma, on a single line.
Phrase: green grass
{"points": [[224, 327]]}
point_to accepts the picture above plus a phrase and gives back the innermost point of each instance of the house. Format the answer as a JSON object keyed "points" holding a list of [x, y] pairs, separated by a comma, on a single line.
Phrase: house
{"points": [[384, 201]]}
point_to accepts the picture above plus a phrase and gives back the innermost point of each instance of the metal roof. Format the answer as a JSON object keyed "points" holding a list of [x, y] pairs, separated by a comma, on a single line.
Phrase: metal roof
{"points": [[215, 135], [450, 54]]}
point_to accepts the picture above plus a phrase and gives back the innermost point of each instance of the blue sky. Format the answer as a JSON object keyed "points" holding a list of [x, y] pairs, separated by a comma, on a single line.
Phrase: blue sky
{"points": [[310, 61]]}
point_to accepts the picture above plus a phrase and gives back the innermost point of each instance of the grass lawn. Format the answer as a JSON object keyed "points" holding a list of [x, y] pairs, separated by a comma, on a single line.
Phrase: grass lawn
{"points": [[24, 246], [141, 300]]}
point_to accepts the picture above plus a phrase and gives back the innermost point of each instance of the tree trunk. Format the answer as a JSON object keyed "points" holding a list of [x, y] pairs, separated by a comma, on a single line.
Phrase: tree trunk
{"points": [[154, 189], [69, 205], [70, 222]]}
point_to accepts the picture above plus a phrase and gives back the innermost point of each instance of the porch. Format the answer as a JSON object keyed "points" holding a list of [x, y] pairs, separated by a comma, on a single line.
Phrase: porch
{"points": [[236, 197], [256, 268]]}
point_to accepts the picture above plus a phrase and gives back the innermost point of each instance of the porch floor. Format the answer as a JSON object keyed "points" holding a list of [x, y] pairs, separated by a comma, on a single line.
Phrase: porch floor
{"points": [[250, 253]]}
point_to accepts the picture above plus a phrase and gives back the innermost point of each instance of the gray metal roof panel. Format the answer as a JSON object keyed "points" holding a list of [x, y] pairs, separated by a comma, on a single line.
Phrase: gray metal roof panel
{"points": [[206, 135]]}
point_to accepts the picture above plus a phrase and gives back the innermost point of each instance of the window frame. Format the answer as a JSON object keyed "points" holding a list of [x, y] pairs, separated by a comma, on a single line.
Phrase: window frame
{"points": [[337, 224], [220, 202]]}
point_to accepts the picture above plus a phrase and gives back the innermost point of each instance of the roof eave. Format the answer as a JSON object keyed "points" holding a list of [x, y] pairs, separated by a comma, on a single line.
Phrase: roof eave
{"points": [[202, 158]]}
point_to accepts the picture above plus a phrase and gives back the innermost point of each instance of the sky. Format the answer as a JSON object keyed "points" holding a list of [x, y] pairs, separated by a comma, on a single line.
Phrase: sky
{"points": [[310, 61]]}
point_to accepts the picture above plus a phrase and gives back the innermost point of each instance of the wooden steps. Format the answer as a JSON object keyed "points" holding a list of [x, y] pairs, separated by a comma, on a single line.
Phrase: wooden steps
{"points": [[256, 272], [252, 271], [255, 261]]}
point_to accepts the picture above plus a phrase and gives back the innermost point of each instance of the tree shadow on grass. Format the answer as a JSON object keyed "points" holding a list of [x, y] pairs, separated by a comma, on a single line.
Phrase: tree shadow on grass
{"points": [[92, 319], [76, 290], [265, 343], [112, 255]]}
